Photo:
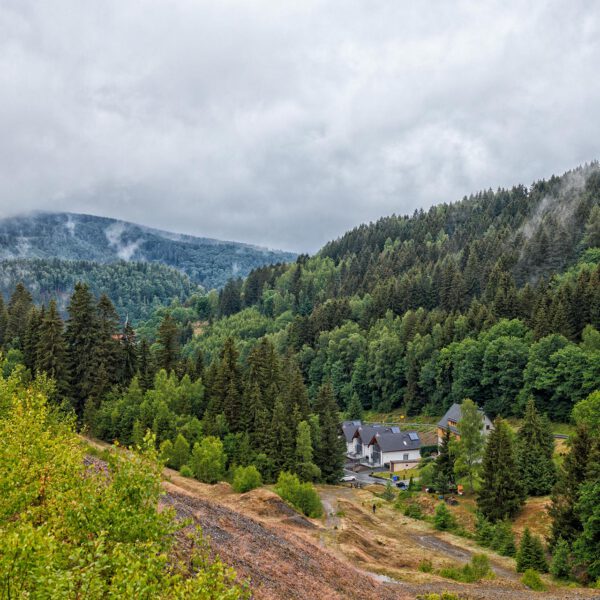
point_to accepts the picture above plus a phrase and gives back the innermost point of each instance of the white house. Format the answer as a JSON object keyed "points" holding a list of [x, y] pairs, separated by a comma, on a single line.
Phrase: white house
{"points": [[379, 445], [449, 422]]}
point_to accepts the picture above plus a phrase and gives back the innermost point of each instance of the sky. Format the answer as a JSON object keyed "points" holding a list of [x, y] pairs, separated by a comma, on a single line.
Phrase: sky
{"points": [[285, 124]]}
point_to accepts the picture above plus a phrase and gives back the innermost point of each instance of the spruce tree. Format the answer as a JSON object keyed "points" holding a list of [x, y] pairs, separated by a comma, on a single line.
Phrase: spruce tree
{"points": [[566, 522], [444, 465], [227, 390], [52, 350], [19, 305], [129, 357], [560, 566], [145, 367], [30, 340], [107, 347], [535, 448], [330, 451], [168, 341], [281, 443], [531, 554], [354, 410], [3, 321], [81, 337], [501, 494]]}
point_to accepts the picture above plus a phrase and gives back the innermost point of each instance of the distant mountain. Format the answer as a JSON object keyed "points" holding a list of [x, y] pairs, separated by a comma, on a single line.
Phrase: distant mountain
{"points": [[84, 237]]}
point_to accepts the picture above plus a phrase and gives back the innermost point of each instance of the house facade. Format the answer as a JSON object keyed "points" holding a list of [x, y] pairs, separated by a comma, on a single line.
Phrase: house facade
{"points": [[449, 422], [379, 445]]}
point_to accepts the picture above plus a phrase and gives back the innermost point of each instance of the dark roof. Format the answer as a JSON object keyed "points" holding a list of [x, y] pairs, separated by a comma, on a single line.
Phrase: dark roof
{"points": [[454, 413], [350, 428], [390, 441]]}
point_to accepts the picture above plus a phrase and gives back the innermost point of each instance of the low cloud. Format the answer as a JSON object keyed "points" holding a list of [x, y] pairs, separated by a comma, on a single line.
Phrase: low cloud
{"points": [[284, 124]]}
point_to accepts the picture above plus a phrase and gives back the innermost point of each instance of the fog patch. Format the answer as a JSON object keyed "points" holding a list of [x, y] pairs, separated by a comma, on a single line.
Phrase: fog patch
{"points": [[124, 250]]}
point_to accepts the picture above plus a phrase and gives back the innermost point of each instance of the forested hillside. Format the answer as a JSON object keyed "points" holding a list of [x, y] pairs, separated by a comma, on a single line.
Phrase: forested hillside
{"points": [[84, 237], [137, 289]]}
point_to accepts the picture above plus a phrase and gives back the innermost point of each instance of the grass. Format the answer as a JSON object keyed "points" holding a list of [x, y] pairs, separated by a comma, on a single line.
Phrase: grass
{"points": [[406, 474]]}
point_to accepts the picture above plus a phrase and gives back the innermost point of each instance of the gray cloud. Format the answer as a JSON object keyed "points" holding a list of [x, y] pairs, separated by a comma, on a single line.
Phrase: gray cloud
{"points": [[286, 123]]}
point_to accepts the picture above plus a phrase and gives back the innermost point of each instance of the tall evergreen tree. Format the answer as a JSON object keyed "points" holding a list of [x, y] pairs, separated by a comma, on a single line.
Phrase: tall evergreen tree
{"points": [[52, 350], [444, 464], [19, 305], [535, 448], [281, 446], [129, 357], [30, 340], [329, 453], [145, 367], [3, 321], [226, 393], [501, 494], [107, 347], [168, 341], [566, 522], [81, 337]]}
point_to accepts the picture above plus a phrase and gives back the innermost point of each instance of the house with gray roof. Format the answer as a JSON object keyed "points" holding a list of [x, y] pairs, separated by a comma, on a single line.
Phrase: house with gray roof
{"points": [[378, 445], [449, 422]]}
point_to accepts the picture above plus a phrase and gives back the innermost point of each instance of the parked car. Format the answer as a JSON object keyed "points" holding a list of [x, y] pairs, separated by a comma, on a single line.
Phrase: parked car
{"points": [[401, 485], [348, 478]]}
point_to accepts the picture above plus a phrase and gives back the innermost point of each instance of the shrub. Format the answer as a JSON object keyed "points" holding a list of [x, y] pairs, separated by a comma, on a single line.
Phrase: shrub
{"points": [[443, 519], [413, 511], [426, 566], [503, 539], [302, 496], [246, 479], [442, 596], [180, 453], [208, 460], [477, 569], [533, 581], [388, 493], [186, 471]]}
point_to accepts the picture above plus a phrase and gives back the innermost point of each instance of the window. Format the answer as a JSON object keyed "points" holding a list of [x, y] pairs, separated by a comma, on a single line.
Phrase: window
{"points": [[487, 427], [405, 457]]}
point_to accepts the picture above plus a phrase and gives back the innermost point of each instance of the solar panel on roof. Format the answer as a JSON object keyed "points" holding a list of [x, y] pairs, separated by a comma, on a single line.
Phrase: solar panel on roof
{"points": [[395, 429], [414, 436]]}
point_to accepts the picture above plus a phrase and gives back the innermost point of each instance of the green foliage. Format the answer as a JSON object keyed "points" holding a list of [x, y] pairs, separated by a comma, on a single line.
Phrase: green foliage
{"points": [[246, 479], [388, 493], [186, 471], [531, 554], [425, 566], [208, 460], [469, 448], [443, 519], [533, 581], [535, 449], [413, 510], [560, 566], [66, 525], [302, 496], [479, 568], [587, 412], [501, 494]]}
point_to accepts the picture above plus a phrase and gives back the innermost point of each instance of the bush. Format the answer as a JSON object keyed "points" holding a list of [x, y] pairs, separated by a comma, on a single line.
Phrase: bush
{"points": [[413, 511], [442, 596], [302, 496], [186, 471], [246, 479], [533, 581], [208, 460], [426, 566], [388, 493], [503, 539], [443, 519], [477, 569]]}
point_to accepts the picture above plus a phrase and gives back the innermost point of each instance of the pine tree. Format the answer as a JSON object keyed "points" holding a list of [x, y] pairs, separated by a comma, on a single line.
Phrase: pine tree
{"points": [[19, 305], [168, 341], [227, 388], [566, 523], [355, 409], [145, 369], [30, 340], [3, 321], [501, 494], [52, 350], [107, 347], [444, 465], [531, 554], [330, 451], [535, 448], [281, 443], [81, 337], [129, 358]]}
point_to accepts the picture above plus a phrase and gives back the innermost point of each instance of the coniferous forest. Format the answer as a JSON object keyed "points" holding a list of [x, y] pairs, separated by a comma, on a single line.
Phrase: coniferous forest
{"points": [[495, 298]]}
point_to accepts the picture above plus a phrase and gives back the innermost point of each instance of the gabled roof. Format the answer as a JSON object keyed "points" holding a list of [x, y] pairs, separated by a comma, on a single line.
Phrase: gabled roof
{"points": [[390, 441], [454, 413], [349, 429]]}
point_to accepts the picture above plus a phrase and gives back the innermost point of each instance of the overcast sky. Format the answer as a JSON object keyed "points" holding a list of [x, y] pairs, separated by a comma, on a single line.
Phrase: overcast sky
{"points": [[286, 123]]}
